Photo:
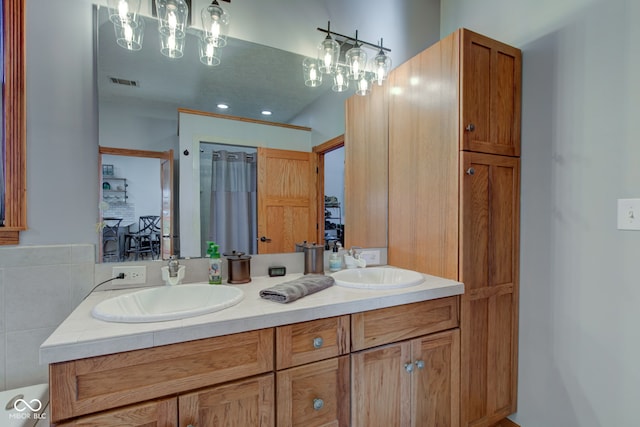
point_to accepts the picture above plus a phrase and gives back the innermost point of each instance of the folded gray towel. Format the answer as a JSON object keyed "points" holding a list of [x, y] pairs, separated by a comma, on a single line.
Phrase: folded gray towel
{"points": [[297, 288]]}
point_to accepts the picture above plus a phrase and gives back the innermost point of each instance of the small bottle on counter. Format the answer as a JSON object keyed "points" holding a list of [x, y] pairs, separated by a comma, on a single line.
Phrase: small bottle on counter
{"points": [[335, 261], [215, 264]]}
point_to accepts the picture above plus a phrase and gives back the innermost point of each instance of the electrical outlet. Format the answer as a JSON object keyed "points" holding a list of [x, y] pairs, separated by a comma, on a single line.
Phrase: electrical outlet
{"points": [[372, 257], [132, 275], [628, 214]]}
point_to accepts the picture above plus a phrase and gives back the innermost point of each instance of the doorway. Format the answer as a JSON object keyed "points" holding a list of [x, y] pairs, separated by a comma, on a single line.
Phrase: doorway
{"points": [[330, 187]]}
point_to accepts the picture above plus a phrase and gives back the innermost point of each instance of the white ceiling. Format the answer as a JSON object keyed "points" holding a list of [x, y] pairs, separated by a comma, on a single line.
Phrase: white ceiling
{"points": [[250, 78]]}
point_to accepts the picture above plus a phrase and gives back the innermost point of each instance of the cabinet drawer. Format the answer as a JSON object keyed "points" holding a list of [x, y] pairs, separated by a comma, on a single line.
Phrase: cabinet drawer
{"points": [[161, 413], [387, 325], [308, 342], [314, 395], [94, 384]]}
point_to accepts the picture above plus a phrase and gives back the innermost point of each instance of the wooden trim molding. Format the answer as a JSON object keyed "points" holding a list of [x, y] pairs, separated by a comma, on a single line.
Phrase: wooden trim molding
{"points": [[506, 423], [15, 122], [241, 119]]}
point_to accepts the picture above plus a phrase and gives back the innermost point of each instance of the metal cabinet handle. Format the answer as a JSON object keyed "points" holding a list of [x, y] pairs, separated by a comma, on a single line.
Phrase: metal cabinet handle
{"points": [[318, 342], [408, 367], [318, 404], [419, 364], [470, 171], [470, 127], [265, 239]]}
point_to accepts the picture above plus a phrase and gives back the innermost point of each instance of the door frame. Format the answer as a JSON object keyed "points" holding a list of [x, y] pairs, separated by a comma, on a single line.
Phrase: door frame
{"points": [[160, 155], [319, 153]]}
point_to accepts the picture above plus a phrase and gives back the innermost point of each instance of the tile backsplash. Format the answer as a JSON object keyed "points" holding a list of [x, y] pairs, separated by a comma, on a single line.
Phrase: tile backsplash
{"points": [[39, 287]]}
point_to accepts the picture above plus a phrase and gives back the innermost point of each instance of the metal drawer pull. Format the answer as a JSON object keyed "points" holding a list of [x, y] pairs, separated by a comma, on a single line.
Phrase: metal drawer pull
{"points": [[470, 127], [408, 367], [470, 171], [318, 342], [318, 404], [420, 364]]}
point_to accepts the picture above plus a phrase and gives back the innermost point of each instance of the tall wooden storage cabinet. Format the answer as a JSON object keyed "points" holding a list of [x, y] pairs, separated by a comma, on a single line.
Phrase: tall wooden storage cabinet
{"points": [[454, 180]]}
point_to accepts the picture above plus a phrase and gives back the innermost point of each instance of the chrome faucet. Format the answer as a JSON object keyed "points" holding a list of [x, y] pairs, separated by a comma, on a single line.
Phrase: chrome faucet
{"points": [[174, 266], [352, 252]]}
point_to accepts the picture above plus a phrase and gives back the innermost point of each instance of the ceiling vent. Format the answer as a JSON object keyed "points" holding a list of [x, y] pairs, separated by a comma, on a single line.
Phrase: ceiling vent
{"points": [[124, 82]]}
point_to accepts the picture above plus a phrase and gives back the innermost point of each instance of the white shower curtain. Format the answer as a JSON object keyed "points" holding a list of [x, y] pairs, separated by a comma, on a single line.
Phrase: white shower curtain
{"points": [[232, 201]]}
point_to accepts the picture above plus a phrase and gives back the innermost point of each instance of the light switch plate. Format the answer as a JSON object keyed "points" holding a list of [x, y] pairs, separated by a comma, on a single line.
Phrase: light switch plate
{"points": [[628, 214]]}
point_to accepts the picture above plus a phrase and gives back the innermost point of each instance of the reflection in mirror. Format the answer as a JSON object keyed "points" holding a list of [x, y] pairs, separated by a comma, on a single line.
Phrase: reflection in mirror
{"points": [[228, 197], [142, 112], [135, 211]]}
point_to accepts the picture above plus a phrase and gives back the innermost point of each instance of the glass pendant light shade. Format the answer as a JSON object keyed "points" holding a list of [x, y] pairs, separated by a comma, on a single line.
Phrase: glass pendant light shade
{"points": [[123, 11], [209, 52], [312, 74], [328, 54], [363, 85], [381, 65], [356, 58], [129, 35], [340, 79], [172, 24], [215, 22]]}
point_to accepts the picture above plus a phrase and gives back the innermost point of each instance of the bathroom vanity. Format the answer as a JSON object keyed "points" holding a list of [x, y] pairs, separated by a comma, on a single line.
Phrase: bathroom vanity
{"points": [[339, 357]]}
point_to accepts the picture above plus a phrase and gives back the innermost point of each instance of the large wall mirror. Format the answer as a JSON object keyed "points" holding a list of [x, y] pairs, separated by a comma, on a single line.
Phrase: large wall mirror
{"points": [[140, 93]]}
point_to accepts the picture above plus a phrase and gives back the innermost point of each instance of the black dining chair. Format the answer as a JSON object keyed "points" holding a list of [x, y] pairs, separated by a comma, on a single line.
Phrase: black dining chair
{"points": [[111, 240], [145, 241]]}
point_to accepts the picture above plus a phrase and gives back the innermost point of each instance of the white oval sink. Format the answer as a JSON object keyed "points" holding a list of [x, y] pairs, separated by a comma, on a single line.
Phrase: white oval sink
{"points": [[377, 278], [167, 303]]}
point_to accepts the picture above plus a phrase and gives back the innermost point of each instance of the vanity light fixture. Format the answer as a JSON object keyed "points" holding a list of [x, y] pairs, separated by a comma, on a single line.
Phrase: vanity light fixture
{"points": [[172, 25], [127, 23], [215, 24], [345, 59]]}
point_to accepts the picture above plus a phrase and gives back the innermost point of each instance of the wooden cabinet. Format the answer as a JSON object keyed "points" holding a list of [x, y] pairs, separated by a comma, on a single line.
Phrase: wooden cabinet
{"points": [[490, 74], [99, 383], [414, 381], [161, 413], [242, 403], [314, 395], [454, 200], [366, 169], [235, 381]]}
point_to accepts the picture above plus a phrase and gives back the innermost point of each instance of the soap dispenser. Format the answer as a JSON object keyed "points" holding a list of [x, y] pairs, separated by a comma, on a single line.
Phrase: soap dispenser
{"points": [[335, 261], [215, 264]]}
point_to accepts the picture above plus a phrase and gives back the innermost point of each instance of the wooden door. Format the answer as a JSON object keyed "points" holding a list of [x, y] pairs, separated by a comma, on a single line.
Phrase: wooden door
{"points": [[286, 199], [160, 413], [489, 270], [491, 95], [314, 395], [436, 380], [381, 386], [239, 404]]}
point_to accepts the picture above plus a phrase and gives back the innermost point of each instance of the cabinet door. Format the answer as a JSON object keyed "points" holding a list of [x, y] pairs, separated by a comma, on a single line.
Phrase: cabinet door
{"points": [[314, 395], [489, 271], [161, 413], [436, 380], [238, 404], [381, 386], [491, 93]]}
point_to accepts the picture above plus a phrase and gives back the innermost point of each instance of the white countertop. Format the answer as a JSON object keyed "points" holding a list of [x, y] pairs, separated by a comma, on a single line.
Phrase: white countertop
{"points": [[80, 335]]}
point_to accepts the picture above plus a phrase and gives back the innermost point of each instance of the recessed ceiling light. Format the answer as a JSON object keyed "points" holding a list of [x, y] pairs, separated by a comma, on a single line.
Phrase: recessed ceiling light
{"points": [[266, 112], [223, 106]]}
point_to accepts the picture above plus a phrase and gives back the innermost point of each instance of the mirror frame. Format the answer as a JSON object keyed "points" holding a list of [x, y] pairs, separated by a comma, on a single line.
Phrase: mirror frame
{"points": [[15, 122]]}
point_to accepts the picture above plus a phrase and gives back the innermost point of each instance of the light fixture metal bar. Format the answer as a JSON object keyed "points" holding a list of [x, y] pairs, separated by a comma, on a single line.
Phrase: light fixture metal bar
{"points": [[355, 40]]}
